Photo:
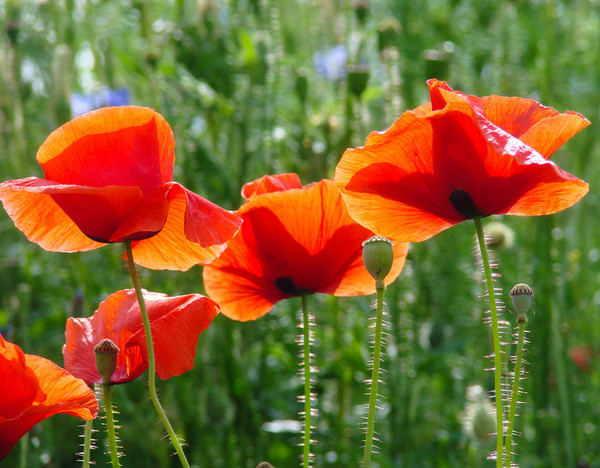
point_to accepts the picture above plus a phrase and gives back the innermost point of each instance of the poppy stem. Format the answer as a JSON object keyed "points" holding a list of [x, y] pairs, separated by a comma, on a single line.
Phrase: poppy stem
{"points": [[87, 443], [380, 287], [151, 359], [110, 424], [496, 343], [521, 321], [306, 338]]}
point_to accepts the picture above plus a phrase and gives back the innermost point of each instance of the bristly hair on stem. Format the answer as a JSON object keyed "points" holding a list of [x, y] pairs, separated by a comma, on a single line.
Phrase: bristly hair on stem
{"points": [[499, 335], [307, 372]]}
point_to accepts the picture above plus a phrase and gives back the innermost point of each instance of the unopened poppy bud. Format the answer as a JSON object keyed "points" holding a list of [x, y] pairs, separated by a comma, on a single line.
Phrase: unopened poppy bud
{"points": [[358, 76], [522, 297], [106, 359], [378, 256]]}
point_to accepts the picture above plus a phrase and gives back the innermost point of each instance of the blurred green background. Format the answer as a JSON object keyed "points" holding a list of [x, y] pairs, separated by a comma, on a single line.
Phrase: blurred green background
{"points": [[267, 86]]}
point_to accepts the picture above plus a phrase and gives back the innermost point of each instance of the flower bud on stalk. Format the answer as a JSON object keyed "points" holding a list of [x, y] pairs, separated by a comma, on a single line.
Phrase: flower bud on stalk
{"points": [[378, 256], [106, 359]]}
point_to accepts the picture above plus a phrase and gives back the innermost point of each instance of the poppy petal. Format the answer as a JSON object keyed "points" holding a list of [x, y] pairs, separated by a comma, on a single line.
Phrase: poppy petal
{"points": [[532, 122], [58, 392], [30, 204], [271, 183], [20, 386], [126, 145], [176, 334], [431, 170], [388, 184], [196, 231], [291, 243], [176, 323]]}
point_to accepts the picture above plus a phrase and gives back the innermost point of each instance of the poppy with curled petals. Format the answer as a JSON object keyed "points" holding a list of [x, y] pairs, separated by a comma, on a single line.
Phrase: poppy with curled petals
{"points": [[108, 178], [176, 324], [33, 389], [459, 157], [294, 240]]}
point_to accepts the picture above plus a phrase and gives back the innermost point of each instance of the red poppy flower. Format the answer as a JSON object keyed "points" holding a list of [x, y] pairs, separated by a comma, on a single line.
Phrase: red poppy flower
{"points": [[108, 178], [456, 158], [176, 324], [293, 241], [33, 389]]}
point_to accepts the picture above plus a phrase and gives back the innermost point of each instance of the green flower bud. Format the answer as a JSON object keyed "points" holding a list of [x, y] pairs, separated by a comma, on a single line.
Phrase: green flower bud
{"points": [[358, 76], [378, 256], [522, 298], [106, 359]]}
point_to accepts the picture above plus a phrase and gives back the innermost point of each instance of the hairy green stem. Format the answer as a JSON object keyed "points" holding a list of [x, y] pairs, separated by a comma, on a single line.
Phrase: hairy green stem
{"points": [[110, 424], [307, 382], [87, 443], [496, 343], [521, 321], [151, 359], [380, 286]]}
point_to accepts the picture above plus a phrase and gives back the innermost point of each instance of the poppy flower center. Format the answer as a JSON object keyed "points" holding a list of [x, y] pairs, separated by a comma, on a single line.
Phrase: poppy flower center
{"points": [[286, 286], [464, 204]]}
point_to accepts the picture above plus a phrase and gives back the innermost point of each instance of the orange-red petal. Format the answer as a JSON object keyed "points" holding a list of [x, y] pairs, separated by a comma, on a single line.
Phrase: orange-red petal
{"points": [[126, 145], [40, 218], [292, 242], [176, 324], [271, 183], [33, 389], [404, 183], [195, 232]]}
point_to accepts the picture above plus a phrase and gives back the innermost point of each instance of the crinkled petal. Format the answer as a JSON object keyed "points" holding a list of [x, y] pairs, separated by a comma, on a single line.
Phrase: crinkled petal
{"points": [[435, 168], [293, 242], [176, 334], [390, 187], [126, 145], [196, 231], [30, 204], [271, 183], [176, 324], [58, 392]]}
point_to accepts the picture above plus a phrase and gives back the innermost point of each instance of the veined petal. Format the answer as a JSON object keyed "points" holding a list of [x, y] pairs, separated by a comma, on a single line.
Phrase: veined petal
{"points": [[292, 242], [196, 231], [56, 391], [126, 145], [176, 324], [176, 333], [271, 183], [390, 185], [30, 204]]}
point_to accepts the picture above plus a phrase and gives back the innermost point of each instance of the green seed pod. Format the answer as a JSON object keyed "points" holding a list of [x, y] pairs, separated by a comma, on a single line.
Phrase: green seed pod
{"points": [[378, 256], [106, 359], [522, 298]]}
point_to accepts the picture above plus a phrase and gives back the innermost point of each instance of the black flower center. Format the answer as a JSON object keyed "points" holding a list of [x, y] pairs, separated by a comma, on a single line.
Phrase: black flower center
{"points": [[286, 286], [464, 204]]}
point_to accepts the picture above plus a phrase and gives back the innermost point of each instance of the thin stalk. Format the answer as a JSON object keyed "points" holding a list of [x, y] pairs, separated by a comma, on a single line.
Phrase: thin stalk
{"points": [[307, 381], [110, 424], [87, 443], [521, 321], [496, 343], [151, 359], [24, 450], [380, 286]]}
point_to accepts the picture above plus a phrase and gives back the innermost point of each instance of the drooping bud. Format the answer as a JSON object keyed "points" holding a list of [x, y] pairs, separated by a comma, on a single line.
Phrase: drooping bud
{"points": [[522, 298], [106, 359], [378, 256]]}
